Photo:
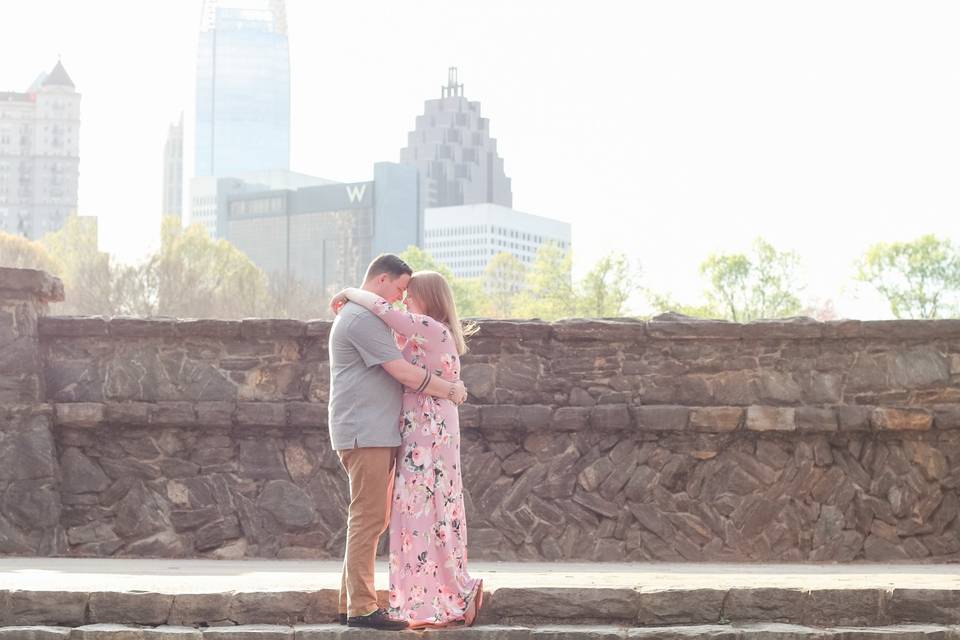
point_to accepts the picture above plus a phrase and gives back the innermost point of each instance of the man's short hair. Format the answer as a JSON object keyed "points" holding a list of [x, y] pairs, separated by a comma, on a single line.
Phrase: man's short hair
{"points": [[388, 263]]}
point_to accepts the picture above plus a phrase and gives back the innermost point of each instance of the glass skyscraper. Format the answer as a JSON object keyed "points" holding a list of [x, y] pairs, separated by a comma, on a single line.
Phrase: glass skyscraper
{"points": [[243, 88]]}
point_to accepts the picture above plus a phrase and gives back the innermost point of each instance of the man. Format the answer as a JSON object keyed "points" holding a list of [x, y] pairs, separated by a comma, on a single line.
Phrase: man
{"points": [[367, 376]]}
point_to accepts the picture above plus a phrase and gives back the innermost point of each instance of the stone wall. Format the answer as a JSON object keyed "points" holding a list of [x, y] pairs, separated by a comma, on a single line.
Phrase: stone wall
{"points": [[29, 475], [664, 440]]}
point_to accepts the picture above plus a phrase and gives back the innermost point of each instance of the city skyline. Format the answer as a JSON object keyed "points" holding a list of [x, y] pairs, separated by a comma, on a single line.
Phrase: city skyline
{"points": [[661, 132]]}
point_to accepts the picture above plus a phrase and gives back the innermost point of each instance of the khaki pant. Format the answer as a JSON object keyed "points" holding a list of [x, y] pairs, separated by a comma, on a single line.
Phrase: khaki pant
{"points": [[371, 471]]}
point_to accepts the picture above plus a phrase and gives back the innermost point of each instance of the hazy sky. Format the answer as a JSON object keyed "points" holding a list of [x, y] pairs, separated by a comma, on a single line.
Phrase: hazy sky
{"points": [[666, 130]]}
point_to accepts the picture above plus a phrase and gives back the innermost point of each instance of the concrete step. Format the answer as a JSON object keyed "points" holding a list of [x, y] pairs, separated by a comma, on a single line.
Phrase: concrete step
{"points": [[757, 631], [71, 593], [514, 606]]}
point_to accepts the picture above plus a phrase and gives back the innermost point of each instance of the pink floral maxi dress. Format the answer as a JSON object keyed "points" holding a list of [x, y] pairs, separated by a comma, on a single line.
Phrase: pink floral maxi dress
{"points": [[429, 582]]}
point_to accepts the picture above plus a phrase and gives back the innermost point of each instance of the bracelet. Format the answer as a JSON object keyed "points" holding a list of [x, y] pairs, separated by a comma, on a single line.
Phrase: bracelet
{"points": [[426, 381], [453, 388]]}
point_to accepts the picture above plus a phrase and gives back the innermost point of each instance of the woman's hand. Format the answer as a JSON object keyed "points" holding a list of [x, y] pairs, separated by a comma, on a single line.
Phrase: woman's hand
{"points": [[457, 393], [337, 301]]}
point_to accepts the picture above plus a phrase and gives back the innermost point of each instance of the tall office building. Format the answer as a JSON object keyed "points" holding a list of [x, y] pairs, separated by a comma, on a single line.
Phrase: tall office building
{"points": [[326, 234], [39, 155], [466, 238], [209, 194], [243, 88], [454, 153], [173, 171]]}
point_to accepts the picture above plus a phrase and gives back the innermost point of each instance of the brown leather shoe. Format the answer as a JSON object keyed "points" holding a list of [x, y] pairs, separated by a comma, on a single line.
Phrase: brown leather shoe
{"points": [[379, 619]]}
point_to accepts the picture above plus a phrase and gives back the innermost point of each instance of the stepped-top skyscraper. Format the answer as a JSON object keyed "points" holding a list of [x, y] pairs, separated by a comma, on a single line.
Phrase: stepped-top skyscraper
{"points": [[243, 88], [452, 148], [39, 155]]}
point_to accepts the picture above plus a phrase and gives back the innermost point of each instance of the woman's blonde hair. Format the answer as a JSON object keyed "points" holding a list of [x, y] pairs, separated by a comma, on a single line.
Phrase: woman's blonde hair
{"points": [[433, 293]]}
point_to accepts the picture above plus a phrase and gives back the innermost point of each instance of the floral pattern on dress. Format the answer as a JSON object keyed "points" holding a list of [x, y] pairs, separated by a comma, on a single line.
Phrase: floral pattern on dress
{"points": [[429, 581]]}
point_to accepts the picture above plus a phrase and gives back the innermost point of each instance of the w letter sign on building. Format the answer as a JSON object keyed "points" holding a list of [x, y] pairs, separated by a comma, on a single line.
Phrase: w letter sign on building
{"points": [[355, 192]]}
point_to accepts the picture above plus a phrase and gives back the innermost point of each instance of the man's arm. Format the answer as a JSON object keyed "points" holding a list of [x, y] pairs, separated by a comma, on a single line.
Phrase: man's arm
{"points": [[411, 376]]}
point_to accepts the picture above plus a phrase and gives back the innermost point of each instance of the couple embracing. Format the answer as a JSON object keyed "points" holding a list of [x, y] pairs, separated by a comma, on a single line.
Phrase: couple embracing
{"points": [[394, 391]]}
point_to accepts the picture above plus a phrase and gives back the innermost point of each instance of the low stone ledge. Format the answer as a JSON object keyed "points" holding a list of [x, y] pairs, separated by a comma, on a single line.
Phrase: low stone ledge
{"points": [[123, 607], [216, 413], [694, 329], [843, 607], [129, 327], [261, 414], [764, 418], [798, 329], [536, 416], [816, 420], [607, 417], [660, 417], [35, 633], [853, 417], [764, 604], [335, 631], [200, 608], [571, 418], [613, 417], [709, 631], [537, 605], [257, 328], [716, 419], [307, 414], [209, 414], [270, 607], [842, 329], [173, 414], [72, 326], [901, 419], [79, 414], [208, 328], [66, 608], [946, 416], [599, 330], [526, 329], [924, 605], [910, 329], [251, 631], [681, 606]]}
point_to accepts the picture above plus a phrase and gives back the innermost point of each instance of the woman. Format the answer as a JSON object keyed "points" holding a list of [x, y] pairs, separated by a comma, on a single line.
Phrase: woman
{"points": [[429, 583]]}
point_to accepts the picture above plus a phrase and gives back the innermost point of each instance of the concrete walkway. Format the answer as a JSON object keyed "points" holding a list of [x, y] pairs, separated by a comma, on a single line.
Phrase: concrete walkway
{"points": [[210, 576]]}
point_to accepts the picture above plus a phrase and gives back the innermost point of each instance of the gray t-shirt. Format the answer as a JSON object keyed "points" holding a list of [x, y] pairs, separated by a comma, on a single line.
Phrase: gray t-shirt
{"points": [[365, 400]]}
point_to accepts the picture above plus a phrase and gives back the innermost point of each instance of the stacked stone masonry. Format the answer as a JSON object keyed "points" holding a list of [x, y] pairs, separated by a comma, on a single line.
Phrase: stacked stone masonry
{"points": [[594, 440]]}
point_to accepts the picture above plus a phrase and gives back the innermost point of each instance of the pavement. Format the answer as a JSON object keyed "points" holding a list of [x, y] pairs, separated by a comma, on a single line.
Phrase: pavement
{"points": [[210, 576]]}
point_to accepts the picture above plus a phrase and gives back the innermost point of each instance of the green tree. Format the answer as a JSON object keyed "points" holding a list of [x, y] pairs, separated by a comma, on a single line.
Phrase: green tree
{"points": [[195, 276], [88, 278], [549, 292], [606, 287], [19, 253], [468, 293], [920, 279], [664, 303], [503, 280], [295, 298], [420, 260], [747, 288]]}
